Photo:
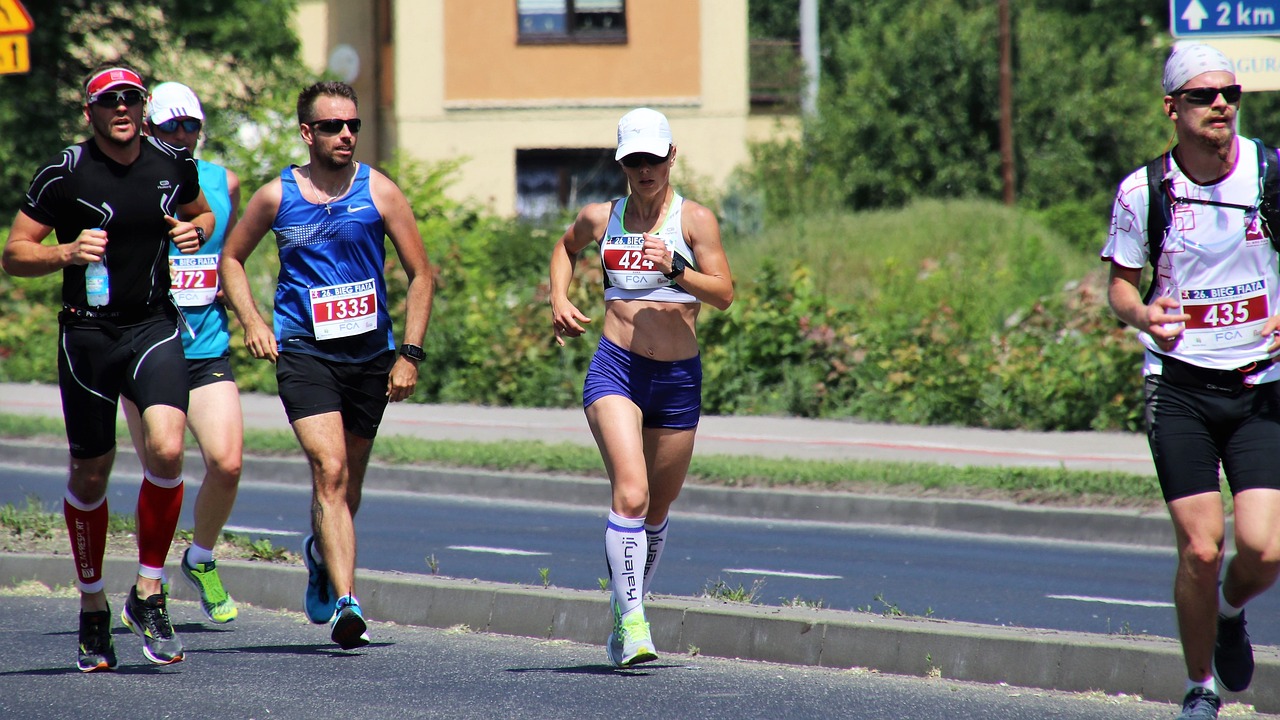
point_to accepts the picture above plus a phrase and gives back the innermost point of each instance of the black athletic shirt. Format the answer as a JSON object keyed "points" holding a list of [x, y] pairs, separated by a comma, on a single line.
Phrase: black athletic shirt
{"points": [[83, 188]]}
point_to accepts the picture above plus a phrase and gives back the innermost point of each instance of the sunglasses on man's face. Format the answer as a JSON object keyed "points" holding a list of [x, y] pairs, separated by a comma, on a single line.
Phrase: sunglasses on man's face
{"points": [[1206, 95], [190, 125], [113, 98], [334, 125], [635, 160]]}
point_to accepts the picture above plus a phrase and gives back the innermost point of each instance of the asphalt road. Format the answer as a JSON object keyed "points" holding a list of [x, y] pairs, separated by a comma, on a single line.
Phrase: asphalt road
{"points": [[274, 665]]}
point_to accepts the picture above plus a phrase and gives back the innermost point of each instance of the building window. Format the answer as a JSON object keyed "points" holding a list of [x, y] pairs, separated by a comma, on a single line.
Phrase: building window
{"points": [[572, 21], [551, 181]]}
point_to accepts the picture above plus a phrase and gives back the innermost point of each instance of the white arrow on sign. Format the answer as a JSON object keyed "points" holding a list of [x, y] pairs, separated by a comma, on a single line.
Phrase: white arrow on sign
{"points": [[1194, 15]]}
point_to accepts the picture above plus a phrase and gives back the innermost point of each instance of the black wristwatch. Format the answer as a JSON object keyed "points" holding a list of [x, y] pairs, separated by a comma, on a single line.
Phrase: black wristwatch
{"points": [[200, 235], [677, 267], [414, 353]]}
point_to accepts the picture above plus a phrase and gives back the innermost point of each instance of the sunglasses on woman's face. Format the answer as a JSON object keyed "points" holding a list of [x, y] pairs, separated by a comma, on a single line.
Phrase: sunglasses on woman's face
{"points": [[1206, 95], [190, 125], [635, 160], [334, 125], [113, 98]]}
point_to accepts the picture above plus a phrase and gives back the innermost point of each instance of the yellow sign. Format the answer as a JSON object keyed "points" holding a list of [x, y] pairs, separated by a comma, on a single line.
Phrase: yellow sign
{"points": [[14, 54], [14, 18]]}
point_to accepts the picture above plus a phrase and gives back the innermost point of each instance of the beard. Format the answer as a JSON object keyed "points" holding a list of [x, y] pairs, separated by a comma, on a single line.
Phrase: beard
{"points": [[105, 132], [330, 160]]}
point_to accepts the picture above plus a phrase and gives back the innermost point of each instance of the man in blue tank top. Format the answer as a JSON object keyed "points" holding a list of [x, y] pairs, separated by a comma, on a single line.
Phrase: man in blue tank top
{"points": [[336, 360], [174, 116]]}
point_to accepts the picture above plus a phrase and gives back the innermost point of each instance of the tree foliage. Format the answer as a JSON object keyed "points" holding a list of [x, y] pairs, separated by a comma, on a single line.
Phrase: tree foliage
{"points": [[240, 56], [909, 102]]}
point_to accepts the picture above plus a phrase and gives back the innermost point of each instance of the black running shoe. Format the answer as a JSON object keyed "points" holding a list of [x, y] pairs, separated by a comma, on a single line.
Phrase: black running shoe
{"points": [[1200, 704], [1233, 654], [149, 619], [97, 652]]}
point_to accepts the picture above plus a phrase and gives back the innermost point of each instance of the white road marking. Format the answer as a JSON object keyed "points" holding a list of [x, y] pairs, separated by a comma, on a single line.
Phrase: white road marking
{"points": [[260, 531], [1113, 601], [781, 573], [494, 550]]}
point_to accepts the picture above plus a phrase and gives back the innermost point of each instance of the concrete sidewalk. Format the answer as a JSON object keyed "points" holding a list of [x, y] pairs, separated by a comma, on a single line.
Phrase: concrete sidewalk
{"points": [[1150, 667]]}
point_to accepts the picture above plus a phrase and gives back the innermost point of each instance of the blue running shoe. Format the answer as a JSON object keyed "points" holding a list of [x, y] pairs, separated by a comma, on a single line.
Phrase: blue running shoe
{"points": [[349, 628], [320, 598]]}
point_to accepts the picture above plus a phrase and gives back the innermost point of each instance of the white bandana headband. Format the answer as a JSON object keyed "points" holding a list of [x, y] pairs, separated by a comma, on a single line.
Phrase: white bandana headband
{"points": [[1191, 59]]}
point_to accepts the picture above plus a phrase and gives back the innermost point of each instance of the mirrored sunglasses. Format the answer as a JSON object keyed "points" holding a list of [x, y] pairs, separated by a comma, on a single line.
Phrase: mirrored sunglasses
{"points": [[190, 125], [113, 98], [634, 160], [334, 125], [1206, 95]]}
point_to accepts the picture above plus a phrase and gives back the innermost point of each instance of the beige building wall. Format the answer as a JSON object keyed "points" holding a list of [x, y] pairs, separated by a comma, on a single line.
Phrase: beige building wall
{"points": [[465, 88]]}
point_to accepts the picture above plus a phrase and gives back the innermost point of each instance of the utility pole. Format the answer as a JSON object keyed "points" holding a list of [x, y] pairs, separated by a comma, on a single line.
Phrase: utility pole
{"points": [[1006, 104], [809, 53]]}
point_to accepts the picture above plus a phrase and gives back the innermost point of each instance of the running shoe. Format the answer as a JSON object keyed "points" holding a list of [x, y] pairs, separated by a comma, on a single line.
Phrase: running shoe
{"points": [[320, 597], [97, 652], [349, 628], [630, 643], [214, 600], [149, 619], [1233, 654], [1200, 704]]}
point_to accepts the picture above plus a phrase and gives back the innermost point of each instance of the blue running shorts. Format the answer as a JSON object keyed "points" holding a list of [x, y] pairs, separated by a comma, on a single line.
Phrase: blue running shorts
{"points": [[669, 394]]}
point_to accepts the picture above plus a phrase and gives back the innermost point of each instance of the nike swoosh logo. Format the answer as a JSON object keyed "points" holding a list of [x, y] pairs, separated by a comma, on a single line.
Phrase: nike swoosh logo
{"points": [[356, 208]]}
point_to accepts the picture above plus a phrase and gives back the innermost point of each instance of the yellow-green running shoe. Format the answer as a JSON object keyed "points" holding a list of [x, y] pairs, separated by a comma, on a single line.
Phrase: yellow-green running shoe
{"points": [[630, 643], [214, 600]]}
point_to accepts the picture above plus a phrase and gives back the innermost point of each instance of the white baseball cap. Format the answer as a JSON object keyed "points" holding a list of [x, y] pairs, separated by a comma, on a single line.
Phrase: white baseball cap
{"points": [[171, 100], [643, 131]]}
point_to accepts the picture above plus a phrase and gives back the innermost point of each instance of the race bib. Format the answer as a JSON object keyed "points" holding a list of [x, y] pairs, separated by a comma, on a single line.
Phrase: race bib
{"points": [[625, 266], [193, 279], [340, 311], [1225, 317]]}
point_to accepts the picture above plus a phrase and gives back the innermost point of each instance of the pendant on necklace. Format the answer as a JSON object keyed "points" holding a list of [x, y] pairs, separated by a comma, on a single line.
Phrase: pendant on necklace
{"points": [[327, 211]]}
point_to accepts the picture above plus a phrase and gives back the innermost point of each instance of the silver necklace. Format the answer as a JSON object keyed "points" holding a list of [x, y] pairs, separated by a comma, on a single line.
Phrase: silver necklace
{"points": [[327, 200]]}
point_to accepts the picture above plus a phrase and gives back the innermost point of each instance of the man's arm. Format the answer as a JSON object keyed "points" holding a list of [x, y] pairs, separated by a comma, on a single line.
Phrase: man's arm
{"points": [[26, 255], [1154, 319], [238, 246], [402, 228], [182, 230]]}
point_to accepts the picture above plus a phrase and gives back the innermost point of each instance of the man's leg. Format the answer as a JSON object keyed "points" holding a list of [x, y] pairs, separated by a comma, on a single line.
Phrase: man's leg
{"points": [[85, 511], [322, 438], [1199, 528], [160, 499]]}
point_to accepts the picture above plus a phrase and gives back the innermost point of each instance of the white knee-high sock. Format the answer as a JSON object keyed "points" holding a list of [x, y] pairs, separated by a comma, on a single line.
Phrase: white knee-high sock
{"points": [[657, 537], [624, 550]]}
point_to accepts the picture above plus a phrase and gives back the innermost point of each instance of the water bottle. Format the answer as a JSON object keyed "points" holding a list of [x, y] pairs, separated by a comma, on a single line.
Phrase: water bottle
{"points": [[97, 284]]}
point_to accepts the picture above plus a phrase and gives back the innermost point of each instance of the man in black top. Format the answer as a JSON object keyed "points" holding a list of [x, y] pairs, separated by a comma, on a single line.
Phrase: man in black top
{"points": [[117, 200]]}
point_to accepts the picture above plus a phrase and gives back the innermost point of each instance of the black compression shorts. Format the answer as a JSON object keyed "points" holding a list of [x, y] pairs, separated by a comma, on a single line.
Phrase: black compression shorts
{"points": [[98, 362]]}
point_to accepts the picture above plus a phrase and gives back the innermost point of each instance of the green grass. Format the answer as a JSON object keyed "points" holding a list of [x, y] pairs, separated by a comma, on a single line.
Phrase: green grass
{"points": [[1032, 485], [980, 258]]}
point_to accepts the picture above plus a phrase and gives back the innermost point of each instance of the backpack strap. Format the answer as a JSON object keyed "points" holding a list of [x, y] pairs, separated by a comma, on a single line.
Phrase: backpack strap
{"points": [[1269, 191], [1159, 214]]}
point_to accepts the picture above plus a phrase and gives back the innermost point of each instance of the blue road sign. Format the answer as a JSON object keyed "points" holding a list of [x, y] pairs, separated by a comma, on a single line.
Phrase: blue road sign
{"points": [[1205, 18]]}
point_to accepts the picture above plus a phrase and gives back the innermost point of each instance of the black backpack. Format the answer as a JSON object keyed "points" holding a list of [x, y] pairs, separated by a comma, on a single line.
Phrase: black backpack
{"points": [[1160, 214]]}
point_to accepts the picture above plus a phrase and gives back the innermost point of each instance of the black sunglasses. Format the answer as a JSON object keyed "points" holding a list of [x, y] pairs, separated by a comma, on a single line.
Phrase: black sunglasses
{"points": [[190, 125], [334, 125], [634, 160], [113, 98], [1206, 95]]}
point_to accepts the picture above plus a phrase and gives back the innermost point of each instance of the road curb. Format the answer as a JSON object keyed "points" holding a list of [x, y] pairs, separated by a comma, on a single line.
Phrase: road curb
{"points": [[1144, 666], [1123, 527]]}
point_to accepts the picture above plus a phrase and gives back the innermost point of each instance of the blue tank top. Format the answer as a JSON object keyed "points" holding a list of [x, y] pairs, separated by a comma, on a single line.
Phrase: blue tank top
{"points": [[205, 334], [331, 297]]}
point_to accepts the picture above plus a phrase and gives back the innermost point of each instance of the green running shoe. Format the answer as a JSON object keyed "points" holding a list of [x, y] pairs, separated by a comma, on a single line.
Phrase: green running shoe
{"points": [[631, 642], [214, 600]]}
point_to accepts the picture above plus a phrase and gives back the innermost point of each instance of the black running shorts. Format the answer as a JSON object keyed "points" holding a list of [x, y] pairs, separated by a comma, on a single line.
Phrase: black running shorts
{"points": [[311, 385], [99, 361], [1191, 430], [207, 371]]}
